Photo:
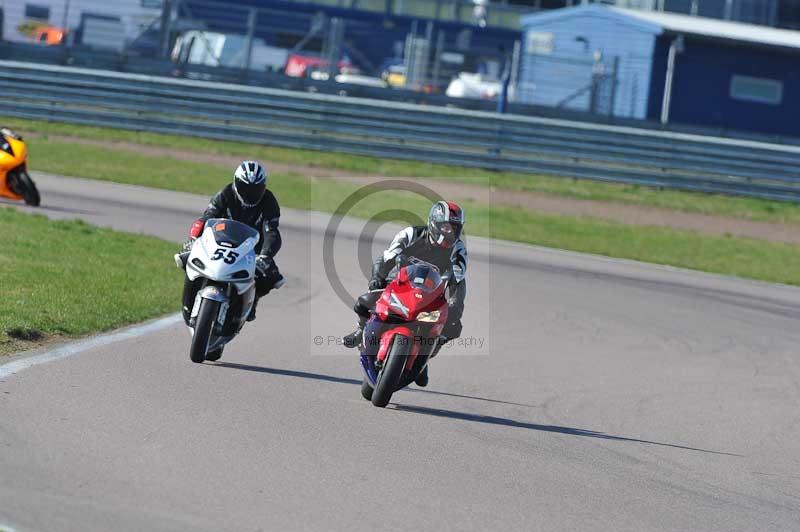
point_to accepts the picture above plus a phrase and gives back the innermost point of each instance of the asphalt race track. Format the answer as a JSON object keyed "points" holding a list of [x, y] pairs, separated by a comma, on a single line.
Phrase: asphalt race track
{"points": [[607, 395]]}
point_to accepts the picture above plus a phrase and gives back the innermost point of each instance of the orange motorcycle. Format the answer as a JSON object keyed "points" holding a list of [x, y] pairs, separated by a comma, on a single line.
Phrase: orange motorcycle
{"points": [[15, 183]]}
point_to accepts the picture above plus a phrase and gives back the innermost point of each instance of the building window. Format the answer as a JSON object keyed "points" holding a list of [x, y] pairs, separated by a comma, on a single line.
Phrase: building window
{"points": [[540, 43], [759, 90], [37, 12]]}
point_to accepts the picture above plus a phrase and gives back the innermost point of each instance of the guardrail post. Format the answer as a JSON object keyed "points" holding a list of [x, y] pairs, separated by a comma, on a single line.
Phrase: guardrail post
{"points": [[496, 151]]}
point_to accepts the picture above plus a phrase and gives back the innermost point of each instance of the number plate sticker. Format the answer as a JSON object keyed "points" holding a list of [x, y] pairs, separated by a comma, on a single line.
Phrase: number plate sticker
{"points": [[229, 257]]}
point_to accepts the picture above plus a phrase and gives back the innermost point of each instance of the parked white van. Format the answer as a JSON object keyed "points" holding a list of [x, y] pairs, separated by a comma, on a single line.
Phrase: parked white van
{"points": [[228, 50]]}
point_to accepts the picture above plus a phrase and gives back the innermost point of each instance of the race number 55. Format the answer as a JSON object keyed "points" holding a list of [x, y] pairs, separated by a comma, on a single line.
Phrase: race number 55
{"points": [[229, 257]]}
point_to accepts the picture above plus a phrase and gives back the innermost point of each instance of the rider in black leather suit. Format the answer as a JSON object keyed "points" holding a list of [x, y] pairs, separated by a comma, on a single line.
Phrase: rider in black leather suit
{"points": [[248, 201]]}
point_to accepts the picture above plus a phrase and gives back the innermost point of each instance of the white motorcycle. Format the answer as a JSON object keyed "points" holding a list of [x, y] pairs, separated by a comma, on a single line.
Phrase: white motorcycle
{"points": [[222, 266]]}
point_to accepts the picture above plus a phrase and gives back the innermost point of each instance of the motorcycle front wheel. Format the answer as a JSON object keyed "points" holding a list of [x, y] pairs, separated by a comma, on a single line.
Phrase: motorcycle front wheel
{"points": [[28, 190], [202, 329], [392, 371]]}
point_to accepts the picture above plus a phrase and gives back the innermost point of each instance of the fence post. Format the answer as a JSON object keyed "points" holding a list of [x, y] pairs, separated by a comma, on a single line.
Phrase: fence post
{"points": [[252, 16], [614, 86], [65, 17], [332, 47], [166, 23], [516, 56], [502, 99], [597, 79], [437, 58]]}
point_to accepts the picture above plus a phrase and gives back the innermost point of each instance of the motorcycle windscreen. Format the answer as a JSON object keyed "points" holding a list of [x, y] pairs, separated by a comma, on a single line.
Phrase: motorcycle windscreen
{"points": [[424, 277], [231, 233]]}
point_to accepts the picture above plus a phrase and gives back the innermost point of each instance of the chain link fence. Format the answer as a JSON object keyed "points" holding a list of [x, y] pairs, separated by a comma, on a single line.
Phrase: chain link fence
{"points": [[571, 83], [395, 44]]}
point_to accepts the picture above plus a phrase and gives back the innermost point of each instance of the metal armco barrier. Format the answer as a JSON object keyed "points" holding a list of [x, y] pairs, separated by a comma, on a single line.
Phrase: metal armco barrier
{"points": [[387, 129]]}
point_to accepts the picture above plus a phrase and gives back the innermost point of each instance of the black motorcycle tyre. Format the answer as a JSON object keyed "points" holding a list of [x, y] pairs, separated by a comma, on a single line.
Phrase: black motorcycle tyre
{"points": [[203, 327]]}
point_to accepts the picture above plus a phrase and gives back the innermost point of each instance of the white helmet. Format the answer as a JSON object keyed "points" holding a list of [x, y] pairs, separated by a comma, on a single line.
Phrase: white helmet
{"points": [[250, 183]]}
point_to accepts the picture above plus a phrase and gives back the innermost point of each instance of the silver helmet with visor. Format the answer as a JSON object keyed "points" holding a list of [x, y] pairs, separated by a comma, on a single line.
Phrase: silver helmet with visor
{"points": [[445, 222]]}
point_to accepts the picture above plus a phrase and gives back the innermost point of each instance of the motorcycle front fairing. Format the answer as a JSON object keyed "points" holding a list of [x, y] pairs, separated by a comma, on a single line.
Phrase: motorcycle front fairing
{"points": [[13, 156], [223, 258], [378, 338], [411, 309], [225, 252]]}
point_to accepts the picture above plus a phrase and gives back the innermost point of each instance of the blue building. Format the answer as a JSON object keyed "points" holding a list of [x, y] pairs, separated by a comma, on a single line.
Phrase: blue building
{"points": [[663, 66]]}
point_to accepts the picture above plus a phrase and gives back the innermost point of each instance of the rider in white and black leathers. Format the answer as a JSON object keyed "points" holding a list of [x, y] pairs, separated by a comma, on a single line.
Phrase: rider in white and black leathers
{"points": [[438, 243], [246, 200]]}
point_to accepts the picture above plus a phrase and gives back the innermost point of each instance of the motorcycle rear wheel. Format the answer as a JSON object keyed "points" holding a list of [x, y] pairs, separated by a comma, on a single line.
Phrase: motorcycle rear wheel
{"points": [[202, 330], [391, 373]]}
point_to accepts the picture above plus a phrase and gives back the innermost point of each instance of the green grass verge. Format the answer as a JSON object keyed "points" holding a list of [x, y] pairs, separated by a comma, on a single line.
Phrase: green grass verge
{"points": [[743, 257], [745, 208], [727, 255], [68, 278]]}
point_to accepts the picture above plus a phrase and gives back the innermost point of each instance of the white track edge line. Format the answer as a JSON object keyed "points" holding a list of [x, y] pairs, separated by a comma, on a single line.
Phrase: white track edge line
{"points": [[6, 370]]}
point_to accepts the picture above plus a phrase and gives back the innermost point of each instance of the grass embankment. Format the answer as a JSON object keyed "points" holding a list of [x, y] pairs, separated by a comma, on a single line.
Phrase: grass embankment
{"points": [[734, 256], [745, 208], [68, 278]]}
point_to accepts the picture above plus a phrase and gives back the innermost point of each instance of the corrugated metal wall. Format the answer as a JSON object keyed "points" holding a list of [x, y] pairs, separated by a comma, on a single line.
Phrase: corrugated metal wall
{"points": [[548, 77]]}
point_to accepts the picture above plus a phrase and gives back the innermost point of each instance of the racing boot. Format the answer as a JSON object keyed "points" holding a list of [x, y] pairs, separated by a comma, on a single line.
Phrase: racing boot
{"points": [[439, 344], [422, 378], [280, 282], [354, 338]]}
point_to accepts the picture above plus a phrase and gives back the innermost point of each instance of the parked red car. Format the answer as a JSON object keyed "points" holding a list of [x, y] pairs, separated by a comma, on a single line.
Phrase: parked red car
{"points": [[299, 66]]}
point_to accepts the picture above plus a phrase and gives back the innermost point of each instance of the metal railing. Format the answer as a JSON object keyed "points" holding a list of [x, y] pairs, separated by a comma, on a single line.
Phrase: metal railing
{"points": [[406, 131]]}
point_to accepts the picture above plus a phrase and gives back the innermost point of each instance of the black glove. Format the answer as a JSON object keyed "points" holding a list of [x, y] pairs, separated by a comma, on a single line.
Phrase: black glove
{"points": [[377, 283], [264, 264], [187, 246]]}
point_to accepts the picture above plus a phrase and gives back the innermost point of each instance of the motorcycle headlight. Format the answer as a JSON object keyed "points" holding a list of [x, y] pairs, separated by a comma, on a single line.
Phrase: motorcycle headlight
{"points": [[428, 316]]}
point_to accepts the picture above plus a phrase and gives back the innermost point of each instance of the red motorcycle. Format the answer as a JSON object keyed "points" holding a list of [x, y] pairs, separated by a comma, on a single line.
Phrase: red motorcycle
{"points": [[404, 330]]}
